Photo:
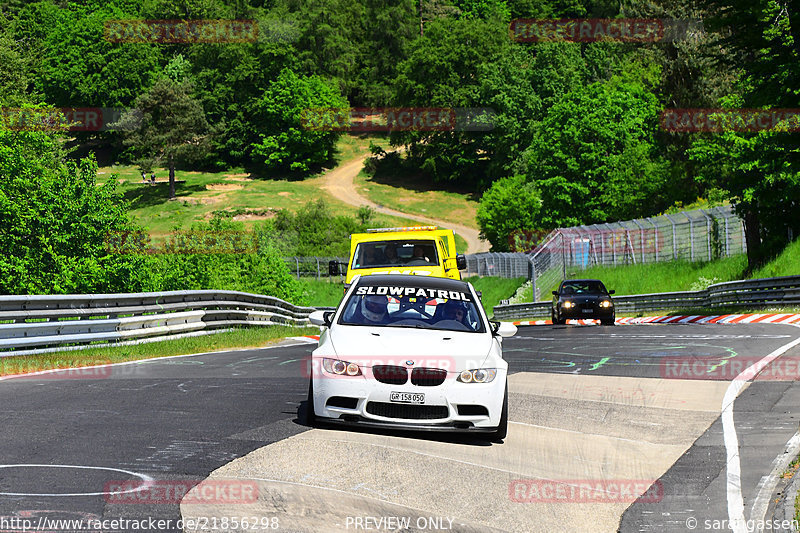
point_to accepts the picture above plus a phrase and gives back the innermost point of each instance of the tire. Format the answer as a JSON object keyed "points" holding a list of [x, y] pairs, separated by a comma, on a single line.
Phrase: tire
{"points": [[502, 429], [607, 321], [311, 417]]}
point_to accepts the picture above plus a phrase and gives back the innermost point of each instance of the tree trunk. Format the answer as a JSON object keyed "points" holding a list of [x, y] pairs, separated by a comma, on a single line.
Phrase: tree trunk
{"points": [[171, 178], [420, 17], [752, 233]]}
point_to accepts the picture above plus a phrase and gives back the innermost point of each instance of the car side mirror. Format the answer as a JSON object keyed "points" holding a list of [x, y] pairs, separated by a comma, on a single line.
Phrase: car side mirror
{"points": [[611, 292], [503, 329], [333, 268], [461, 261], [321, 318], [555, 293]]}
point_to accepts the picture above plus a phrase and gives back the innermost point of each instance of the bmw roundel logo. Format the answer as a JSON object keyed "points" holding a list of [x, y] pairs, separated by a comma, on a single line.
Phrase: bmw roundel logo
{"points": [[410, 363]]}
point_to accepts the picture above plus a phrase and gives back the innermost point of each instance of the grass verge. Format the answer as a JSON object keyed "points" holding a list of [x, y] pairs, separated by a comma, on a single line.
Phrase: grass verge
{"points": [[494, 289], [255, 337]]}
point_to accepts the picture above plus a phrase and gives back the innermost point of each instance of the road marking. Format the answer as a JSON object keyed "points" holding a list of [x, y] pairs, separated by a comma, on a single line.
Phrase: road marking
{"points": [[766, 487], [148, 481], [733, 465]]}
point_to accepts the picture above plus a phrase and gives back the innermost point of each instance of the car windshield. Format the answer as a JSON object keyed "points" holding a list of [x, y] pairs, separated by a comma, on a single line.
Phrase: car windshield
{"points": [[376, 254], [412, 307], [583, 287]]}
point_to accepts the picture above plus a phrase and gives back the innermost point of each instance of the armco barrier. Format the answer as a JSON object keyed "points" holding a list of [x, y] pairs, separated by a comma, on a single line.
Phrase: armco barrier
{"points": [[31, 323], [754, 293]]}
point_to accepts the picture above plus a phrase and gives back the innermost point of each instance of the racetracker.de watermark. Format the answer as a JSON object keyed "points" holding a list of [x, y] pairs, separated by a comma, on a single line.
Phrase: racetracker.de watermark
{"points": [[649, 30], [388, 119], [62, 119], [786, 368], [585, 491], [181, 31], [182, 242], [721, 120], [181, 491], [398, 369]]}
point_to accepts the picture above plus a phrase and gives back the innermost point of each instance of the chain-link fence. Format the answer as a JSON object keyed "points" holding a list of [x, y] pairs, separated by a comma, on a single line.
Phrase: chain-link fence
{"points": [[698, 235], [503, 265], [311, 267]]}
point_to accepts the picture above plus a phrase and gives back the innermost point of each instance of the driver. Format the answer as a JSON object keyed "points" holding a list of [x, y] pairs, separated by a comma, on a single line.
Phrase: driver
{"points": [[373, 309], [455, 310]]}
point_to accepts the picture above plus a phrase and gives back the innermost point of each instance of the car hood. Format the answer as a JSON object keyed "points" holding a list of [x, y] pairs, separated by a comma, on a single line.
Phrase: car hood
{"points": [[379, 345], [585, 298]]}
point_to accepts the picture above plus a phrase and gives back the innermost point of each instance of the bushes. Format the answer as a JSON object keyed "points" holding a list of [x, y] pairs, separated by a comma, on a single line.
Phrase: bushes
{"points": [[56, 225]]}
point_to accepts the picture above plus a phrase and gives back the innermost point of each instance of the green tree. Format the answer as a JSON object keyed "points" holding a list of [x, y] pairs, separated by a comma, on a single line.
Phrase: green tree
{"points": [[761, 40], [510, 205], [167, 124], [288, 141], [594, 158], [55, 222]]}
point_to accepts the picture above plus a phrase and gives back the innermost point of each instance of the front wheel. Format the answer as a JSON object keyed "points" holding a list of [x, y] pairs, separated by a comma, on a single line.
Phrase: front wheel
{"points": [[607, 321], [502, 429]]}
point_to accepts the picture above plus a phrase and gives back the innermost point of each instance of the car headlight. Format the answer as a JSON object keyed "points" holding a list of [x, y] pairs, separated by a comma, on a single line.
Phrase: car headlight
{"points": [[568, 304], [340, 368], [480, 375], [605, 303]]}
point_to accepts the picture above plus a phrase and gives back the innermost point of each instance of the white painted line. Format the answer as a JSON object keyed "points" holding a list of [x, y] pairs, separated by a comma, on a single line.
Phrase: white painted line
{"points": [[733, 465], [551, 428], [766, 487], [148, 481]]}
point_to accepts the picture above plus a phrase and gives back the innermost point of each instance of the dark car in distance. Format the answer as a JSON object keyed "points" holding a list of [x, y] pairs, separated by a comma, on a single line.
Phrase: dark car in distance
{"points": [[582, 298]]}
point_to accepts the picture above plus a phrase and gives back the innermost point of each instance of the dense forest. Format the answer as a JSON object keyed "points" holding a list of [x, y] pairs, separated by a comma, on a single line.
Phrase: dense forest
{"points": [[576, 136]]}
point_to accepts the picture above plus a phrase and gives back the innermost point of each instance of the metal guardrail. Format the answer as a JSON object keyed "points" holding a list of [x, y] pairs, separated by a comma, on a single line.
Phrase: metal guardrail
{"points": [[766, 292], [29, 324]]}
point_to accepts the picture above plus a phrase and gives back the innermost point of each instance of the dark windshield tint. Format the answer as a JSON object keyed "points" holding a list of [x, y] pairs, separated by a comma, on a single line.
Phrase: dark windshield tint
{"points": [[376, 254], [583, 287], [412, 307]]}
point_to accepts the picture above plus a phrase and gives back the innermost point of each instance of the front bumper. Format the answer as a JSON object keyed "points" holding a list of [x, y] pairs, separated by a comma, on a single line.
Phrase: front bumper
{"points": [[451, 406], [579, 312]]}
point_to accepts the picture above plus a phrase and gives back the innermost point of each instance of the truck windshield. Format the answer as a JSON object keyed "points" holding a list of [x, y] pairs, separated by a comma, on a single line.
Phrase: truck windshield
{"points": [[376, 254]]}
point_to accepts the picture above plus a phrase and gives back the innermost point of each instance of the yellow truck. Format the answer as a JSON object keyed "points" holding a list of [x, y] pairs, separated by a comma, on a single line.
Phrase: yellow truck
{"points": [[420, 250]]}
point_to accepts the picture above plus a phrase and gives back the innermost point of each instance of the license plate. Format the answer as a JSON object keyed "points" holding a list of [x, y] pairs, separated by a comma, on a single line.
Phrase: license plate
{"points": [[587, 310], [407, 397]]}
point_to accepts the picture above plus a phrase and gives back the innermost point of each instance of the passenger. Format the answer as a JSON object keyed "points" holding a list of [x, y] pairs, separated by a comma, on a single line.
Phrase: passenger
{"points": [[455, 310], [419, 254], [391, 255]]}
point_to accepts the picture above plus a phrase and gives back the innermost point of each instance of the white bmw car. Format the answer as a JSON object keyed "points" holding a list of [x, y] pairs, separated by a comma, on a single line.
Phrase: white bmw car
{"points": [[410, 352]]}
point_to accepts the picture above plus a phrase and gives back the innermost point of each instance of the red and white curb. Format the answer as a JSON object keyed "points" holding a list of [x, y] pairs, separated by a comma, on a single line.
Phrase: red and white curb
{"points": [[772, 318]]}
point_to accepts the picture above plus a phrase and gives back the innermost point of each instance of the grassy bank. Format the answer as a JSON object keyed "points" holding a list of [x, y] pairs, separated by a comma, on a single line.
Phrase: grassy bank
{"points": [[418, 196], [255, 337]]}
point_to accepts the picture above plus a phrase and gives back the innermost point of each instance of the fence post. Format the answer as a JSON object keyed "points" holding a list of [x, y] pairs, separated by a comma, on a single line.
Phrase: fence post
{"points": [[655, 237], [296, 260], [641, 237], [708, 232], [317, 268], [691, 236], [674, 249], [563, 256]]}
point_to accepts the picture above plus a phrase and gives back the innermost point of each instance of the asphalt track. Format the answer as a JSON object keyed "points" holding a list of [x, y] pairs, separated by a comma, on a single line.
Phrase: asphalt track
{"points": [[587, 403]]}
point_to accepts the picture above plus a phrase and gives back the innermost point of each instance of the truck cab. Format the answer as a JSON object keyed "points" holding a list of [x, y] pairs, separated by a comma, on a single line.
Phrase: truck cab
{"points": [[419, 250]]}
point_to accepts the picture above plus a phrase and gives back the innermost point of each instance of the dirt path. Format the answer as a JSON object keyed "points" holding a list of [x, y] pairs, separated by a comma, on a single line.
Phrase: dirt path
{"points": [[339, 182]]}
